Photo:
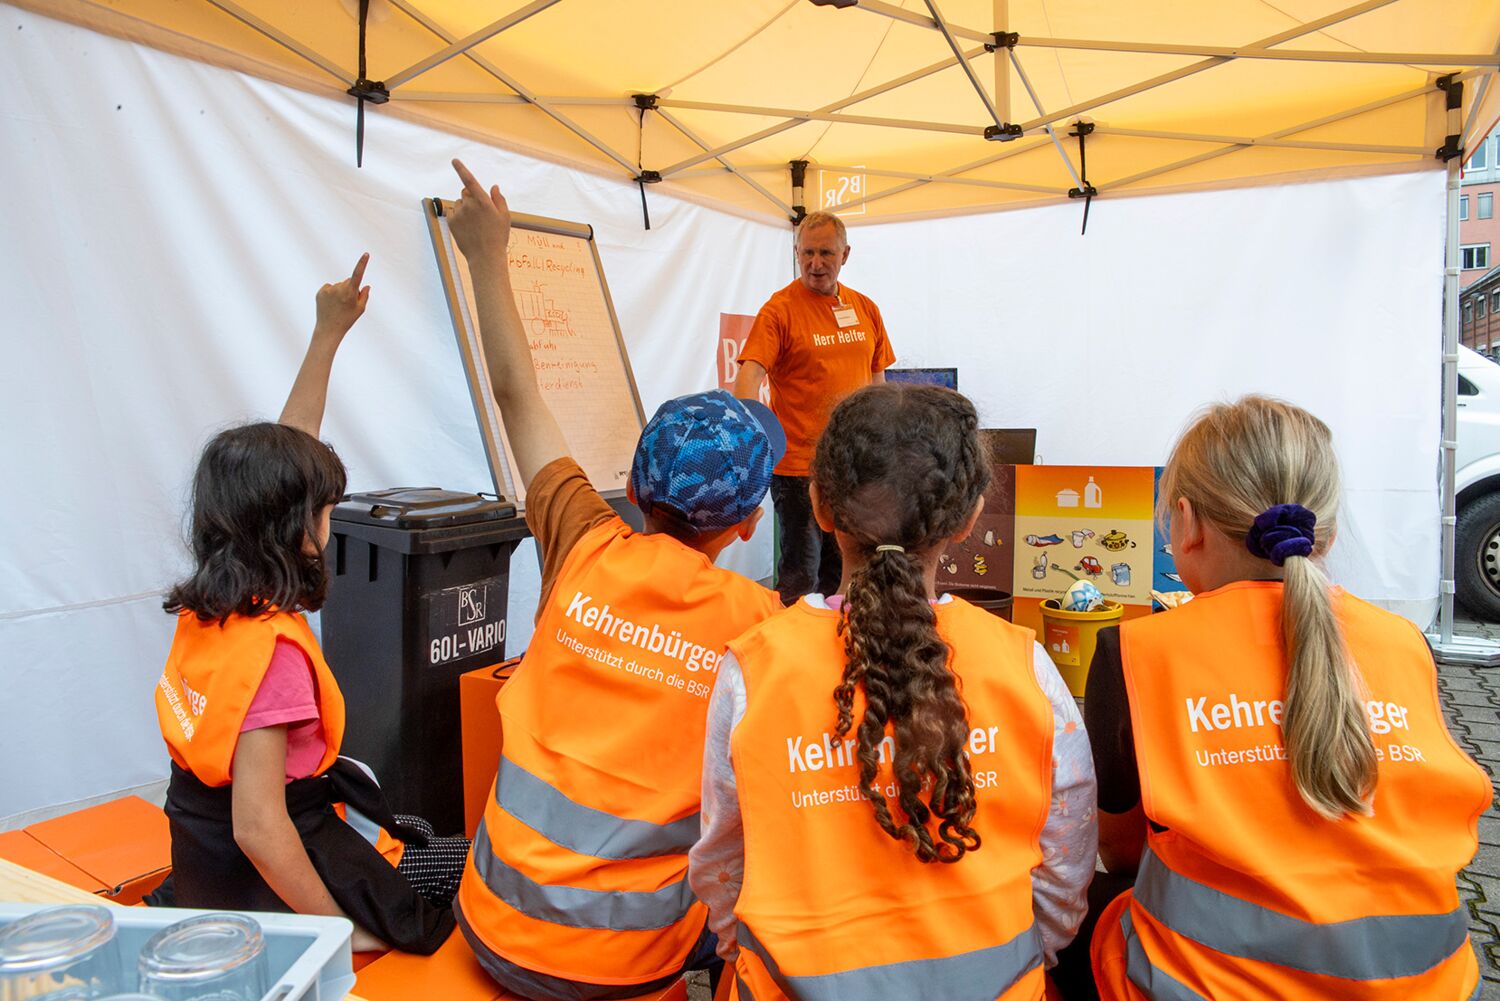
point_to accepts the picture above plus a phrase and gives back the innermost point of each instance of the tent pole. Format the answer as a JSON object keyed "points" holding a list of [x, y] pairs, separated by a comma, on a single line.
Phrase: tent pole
{"points": [[1292, 130], [958, 53], [1118, 95], [824, 116], [1451, 315], [1036, 103], [1446, 647], [1262, 52], [522, 94], [1203, 137], [701, 143], [792, 123], [463, 45], [1002, 67], [319, 60]]}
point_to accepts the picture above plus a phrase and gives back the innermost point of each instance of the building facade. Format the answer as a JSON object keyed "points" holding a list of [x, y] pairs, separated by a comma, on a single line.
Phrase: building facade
{"points": [[1479, 226]]}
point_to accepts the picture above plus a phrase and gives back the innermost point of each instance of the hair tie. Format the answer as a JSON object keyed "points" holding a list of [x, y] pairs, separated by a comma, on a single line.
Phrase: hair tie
{"points": [[890, 549], [1282, 531]]}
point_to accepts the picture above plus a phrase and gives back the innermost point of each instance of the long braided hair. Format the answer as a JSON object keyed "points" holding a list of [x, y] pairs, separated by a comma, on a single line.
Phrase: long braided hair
{"points": [[901, 465]]}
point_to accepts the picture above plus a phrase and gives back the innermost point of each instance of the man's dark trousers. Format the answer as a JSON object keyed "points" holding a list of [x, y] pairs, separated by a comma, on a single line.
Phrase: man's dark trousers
{"points": [[809, 559]]}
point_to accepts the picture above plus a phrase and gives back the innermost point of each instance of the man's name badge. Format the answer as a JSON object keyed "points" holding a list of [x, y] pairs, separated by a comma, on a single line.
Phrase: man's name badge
{"points": [[846, 316]]}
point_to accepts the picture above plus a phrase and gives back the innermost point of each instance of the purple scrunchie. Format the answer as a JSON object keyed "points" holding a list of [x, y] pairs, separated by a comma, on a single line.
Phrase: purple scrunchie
{"points": [[1282, 531]]}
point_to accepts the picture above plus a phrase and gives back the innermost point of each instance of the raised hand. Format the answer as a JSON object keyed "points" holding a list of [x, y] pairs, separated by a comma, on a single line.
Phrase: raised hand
{"points": [[479, 220], [340, 304]]}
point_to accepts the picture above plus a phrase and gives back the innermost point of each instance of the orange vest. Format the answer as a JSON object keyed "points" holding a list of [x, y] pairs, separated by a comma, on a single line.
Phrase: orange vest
{"points": [[213, 672], [223, 667], [579, 867], [834, 908], [1250, 894]]}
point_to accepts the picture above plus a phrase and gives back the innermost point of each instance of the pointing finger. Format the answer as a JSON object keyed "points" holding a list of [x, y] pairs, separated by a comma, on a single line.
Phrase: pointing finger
{"points": [[359, 269], [471, 185]]}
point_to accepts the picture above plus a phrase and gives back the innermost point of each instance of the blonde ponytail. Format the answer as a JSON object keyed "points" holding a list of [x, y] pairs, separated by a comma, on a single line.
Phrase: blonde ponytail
{"points": [[1327, 736], [1262, 465]]}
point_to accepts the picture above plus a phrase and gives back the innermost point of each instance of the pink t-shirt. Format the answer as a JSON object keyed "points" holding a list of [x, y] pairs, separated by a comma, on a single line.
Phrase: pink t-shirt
{"points": [[288, 695]]}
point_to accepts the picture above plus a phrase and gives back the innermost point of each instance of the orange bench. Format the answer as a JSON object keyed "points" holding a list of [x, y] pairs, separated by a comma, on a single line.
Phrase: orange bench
{"points": [[121, 849], [452, 973]]}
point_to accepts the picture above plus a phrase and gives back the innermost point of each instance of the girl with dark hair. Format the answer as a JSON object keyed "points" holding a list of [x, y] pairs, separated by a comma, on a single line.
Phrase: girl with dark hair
{"points": [[897, 788], [264, 813]]}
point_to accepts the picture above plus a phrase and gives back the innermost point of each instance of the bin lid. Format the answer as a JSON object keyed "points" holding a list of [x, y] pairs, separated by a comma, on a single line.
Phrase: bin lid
{"points": [[421, 508]]}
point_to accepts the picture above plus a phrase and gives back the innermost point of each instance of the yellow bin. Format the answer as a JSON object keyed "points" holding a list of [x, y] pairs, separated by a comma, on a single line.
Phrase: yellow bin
{"points": [[1070, 638]]}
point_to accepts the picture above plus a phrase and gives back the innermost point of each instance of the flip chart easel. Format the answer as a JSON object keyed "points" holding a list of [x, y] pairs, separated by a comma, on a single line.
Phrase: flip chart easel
{"points": [[580, 358]]}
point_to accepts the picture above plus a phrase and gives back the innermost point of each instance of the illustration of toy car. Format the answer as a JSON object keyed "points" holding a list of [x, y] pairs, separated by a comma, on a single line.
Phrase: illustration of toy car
{"points": [[1090, 565]]}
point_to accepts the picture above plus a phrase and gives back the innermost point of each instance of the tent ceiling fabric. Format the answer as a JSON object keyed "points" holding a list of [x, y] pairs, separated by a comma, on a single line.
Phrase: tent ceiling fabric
{"points": [[1181, 95]]}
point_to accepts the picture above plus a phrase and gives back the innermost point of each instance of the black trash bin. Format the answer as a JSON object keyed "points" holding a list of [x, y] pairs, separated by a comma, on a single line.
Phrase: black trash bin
{"points": [[419, 579]]}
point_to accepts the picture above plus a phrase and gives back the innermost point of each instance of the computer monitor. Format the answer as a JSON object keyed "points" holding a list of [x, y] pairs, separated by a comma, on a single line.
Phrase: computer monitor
{"points": [[1010, 446], [945, 377]]}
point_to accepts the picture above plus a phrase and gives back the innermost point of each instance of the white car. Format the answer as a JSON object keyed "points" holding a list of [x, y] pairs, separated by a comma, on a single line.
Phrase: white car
{"points": [[1477, 552]]}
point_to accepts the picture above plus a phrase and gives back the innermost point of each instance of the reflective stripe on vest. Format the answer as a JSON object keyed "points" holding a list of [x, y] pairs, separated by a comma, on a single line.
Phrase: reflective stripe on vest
{"points": [[583, 829], [1373, 948], [982, 975], [611, 910], [1158, 984]]}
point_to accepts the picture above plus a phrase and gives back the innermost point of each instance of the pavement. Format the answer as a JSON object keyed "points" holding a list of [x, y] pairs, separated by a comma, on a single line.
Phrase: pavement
{"points": [[1471, 701]]}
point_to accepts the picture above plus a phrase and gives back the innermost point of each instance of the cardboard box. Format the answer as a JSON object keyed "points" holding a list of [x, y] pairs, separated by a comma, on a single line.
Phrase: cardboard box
{"points": [[479, 721], [121, 849]]}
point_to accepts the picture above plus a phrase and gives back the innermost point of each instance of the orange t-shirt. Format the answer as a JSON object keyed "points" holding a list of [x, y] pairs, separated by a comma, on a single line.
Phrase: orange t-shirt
{"points": [[814, 360]]}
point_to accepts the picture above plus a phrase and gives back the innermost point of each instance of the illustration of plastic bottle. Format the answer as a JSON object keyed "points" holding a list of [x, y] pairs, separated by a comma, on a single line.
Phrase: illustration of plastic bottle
{"points": [[1092, 495]]}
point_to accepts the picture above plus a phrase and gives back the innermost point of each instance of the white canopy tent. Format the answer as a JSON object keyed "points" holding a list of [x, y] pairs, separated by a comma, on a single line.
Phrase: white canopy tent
{"points": [[942, 106], [171, 212]]}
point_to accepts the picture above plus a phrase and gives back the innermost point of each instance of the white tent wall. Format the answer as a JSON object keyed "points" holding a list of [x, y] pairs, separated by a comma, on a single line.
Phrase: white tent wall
{"points": [[167, 224], [1326, 294]]}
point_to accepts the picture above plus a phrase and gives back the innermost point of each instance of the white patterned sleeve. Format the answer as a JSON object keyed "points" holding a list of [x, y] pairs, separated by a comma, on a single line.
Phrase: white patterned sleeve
{"points": [[716, 864], [1070, 838]]}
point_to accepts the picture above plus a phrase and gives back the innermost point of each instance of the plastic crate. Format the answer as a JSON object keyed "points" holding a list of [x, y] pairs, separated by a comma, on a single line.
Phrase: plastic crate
{"points": [[307, 958]]}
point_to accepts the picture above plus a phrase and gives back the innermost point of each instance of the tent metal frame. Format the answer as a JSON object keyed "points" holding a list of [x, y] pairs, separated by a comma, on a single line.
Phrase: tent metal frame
{"points": [[1020, 138]]}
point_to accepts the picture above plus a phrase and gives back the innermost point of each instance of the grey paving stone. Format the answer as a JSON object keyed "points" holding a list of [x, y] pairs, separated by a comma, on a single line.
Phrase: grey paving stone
{"points": [[1466, 698], [1474, 713], [1481, 731], [1487, 861], [1489, 834]]}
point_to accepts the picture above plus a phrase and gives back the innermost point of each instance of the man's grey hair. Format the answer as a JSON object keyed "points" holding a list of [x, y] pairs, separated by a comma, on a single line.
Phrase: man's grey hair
{"points": [[815, 219]]}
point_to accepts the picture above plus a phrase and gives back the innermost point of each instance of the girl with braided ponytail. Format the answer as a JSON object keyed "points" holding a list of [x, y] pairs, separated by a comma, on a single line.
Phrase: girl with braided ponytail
{"points": [[1274, 763], [896, 786]]}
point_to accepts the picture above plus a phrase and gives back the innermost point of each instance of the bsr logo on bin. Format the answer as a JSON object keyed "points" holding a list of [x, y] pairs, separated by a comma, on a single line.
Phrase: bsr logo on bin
{"points": [[471, 605], [466, 608]]}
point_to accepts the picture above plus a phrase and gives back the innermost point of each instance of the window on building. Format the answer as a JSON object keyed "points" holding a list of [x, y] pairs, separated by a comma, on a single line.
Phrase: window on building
{"points": [[1463, 208], [1476, 255], [1495, 303], [1481, 158], [1469, 312], [1479, 302], [1467, 388], [1486, 205]]}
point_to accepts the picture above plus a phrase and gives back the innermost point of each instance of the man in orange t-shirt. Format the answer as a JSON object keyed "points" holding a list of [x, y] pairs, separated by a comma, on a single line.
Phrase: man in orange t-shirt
{"points": [[818, 341]]}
